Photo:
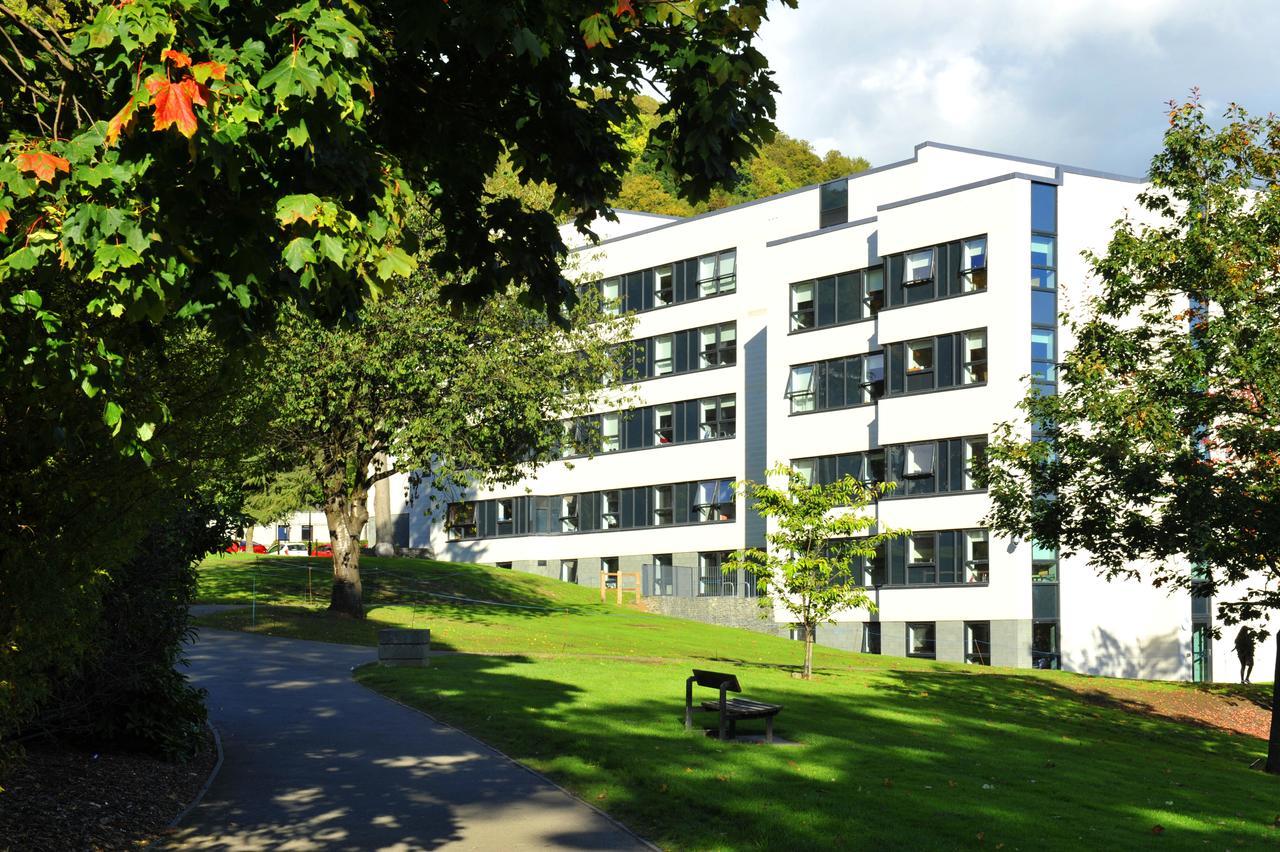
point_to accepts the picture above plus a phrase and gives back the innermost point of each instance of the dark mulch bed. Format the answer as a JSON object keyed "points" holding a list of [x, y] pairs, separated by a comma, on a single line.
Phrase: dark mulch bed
{"points": [[64, 798]]}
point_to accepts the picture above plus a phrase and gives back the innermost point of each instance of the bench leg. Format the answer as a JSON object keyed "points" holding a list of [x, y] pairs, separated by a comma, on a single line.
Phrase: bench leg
{"points": [[722, 727], [768, 729]]}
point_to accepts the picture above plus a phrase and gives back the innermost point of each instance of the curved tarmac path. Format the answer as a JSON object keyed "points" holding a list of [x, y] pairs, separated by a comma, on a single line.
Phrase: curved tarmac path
{"points": [[313, 760]]}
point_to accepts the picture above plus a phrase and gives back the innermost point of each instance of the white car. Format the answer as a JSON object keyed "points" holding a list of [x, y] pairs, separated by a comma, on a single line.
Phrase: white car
{"points": [[288, 548]]}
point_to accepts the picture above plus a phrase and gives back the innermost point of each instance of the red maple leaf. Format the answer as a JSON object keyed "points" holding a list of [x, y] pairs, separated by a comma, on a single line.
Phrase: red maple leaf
{"points": [[42, 164], [4, 221], [624, 6], [177, 57], [173, 106], [198, 93], [121, 120], [214, 70]]}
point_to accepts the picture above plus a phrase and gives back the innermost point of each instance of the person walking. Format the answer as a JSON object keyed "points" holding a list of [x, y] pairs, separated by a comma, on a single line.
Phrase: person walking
{"points": [[1244, 650]]}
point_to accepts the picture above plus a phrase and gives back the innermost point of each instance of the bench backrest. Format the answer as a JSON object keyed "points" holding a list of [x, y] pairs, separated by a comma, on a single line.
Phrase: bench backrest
{"points": [[716, 680]]}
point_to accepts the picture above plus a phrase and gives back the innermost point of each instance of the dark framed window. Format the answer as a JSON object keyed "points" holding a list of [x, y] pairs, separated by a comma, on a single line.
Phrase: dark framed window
{"points": [[922, 560], [505, 516], [1044, 563], [714, 501], [977, 556], [870, 637], [977, 642], [461, 520], [663, 355], [663, 286], [663, 505], [833, 300], [920, 364], [569, 513], [1044, 645], [973, 265], [610, 509], [833, 203], [718, 345], [801, 391], [611, 295], [717, 273], [919, 276], [922, 639], [664, 425], [873, 290], [569, 570], [308, 532], [712, 580], [609, 568], [718, 417], [610, 432], [974, 354], [664, 577], [837, 383]]}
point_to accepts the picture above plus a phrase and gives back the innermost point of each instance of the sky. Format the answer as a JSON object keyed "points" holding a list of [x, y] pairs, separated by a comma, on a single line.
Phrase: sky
{"points": [[1081, 82]]}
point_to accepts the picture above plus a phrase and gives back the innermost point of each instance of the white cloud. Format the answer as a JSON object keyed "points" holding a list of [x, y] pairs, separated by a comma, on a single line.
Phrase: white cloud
{"points": [[1082, 82]]}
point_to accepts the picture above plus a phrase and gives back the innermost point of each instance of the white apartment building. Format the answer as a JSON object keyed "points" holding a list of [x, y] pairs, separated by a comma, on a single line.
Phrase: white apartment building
{"points": [[879, 326]]}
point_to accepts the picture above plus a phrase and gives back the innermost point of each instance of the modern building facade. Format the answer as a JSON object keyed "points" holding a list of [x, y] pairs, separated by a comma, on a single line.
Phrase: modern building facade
{"points": [[878, 326]]}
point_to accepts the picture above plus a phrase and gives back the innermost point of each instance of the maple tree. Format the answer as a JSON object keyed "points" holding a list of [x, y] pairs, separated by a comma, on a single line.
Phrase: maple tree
{"points": [[1161, 457]]}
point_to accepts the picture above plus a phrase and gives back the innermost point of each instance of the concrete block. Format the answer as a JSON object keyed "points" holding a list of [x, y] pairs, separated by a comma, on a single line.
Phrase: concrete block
{"points": [[404, 647]]}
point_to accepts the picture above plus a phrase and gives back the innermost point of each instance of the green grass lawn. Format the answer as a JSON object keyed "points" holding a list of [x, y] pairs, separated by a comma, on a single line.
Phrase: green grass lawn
{"points": [[906, 754]]}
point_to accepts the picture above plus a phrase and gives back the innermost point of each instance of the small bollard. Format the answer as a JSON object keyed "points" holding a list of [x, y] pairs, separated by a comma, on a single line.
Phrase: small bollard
{"points": [[403, 647]]}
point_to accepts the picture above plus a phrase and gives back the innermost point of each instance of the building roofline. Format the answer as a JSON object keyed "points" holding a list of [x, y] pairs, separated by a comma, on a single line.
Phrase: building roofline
{"points": [[1059, 170]]}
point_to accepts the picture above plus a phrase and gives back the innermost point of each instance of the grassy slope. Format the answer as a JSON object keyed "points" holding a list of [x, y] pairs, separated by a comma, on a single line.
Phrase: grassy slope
{"points": [[904, 753]]}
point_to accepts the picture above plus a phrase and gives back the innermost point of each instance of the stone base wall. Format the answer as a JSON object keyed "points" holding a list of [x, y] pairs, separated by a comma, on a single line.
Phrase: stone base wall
{"points": [[728, 612]]}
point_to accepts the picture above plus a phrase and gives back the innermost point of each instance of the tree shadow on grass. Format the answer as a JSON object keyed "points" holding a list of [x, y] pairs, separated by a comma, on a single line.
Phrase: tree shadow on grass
{"points": [[900, 757]]}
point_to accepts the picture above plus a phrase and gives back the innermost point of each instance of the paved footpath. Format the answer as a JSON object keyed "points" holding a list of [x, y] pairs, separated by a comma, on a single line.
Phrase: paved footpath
{"points": [[313, 760]]}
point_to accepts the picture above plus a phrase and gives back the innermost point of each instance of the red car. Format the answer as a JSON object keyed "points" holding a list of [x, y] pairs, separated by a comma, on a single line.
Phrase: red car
{"points": [[241, 547], [325, 550]]}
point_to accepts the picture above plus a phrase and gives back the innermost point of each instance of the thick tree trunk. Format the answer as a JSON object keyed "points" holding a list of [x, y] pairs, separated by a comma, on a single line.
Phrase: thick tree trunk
{"points": [[347, 516], [808, 652], [1273, 741]]}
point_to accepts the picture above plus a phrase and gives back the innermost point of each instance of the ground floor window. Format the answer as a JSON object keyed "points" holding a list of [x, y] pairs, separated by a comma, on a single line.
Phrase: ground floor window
{"points": [[506, 565], [871, 637], [663, 575], [977, 642], [569, 570], [1044, 645], [609, 567], [712, 581], [1201, 665], [922, 639], [307, 532]]}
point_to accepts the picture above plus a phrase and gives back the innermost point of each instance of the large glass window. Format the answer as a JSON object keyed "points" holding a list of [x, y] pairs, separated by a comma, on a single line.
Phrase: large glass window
{"points": [[873, 375], [1043, 250], [718, 345], [1044, 645], [973, 265], [505, 511], [919, 460], [833, 203], [569, 570], [921, 639], [977, 642], [806, 468]]}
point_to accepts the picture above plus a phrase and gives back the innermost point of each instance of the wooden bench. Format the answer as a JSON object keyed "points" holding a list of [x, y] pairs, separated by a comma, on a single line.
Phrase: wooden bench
{"points": [[730, 709]]}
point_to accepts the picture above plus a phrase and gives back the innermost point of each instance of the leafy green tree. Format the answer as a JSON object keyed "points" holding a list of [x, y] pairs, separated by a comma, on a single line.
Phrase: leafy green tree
{"points": [[1161, 453], [452, 397], [818, 534]]}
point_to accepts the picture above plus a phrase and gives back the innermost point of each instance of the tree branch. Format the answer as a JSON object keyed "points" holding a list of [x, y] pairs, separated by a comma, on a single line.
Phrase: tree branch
{"points": [[62, 58]]}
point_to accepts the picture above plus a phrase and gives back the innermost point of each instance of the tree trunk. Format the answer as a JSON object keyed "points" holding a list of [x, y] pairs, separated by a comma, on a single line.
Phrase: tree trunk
{"points": [[1273, 741], [808, 652], [347, 516]]}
